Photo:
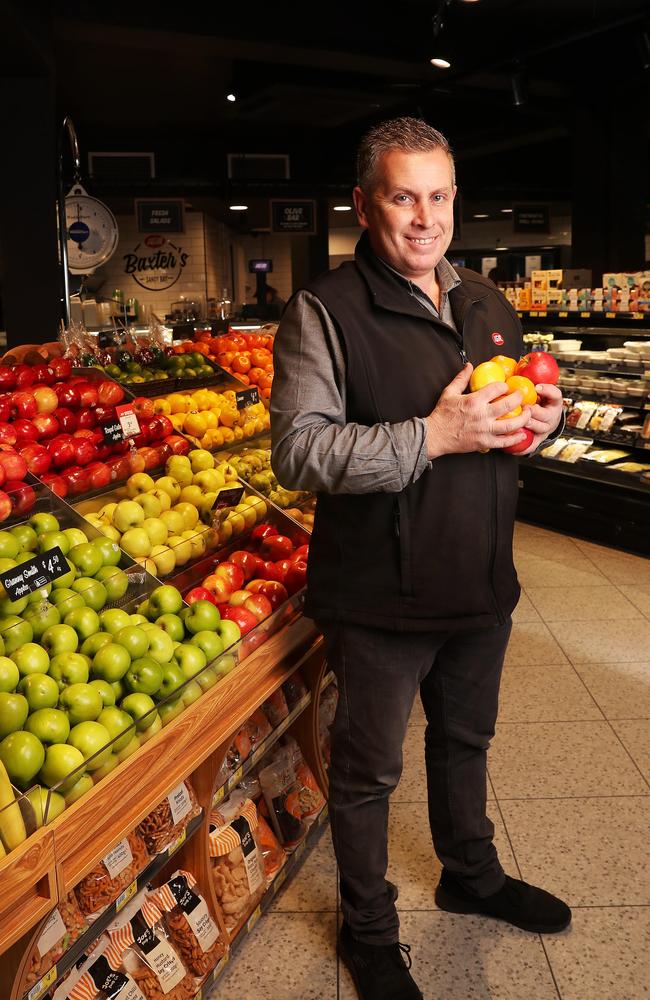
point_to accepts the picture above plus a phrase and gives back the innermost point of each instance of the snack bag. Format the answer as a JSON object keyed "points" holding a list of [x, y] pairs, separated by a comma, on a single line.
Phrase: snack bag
{"points": [[98, 979], [65, 924], [140, 946], [238, 870], [282, 796], [258, 728], [170, 817], [294, 689], [276, 708], [114, 872], [273, 857], [189, 923], [310, 797]]}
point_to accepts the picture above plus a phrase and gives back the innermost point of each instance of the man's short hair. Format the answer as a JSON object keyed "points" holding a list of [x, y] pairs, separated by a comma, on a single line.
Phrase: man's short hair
{"points": [[411, 135]]}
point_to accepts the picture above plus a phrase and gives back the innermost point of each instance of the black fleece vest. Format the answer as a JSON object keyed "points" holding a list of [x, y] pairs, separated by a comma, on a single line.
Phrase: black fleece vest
{"points": [[438, 555]]}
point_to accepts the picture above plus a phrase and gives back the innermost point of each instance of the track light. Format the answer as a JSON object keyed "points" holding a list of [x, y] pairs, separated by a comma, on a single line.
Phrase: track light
{"points": [[519, 88]]}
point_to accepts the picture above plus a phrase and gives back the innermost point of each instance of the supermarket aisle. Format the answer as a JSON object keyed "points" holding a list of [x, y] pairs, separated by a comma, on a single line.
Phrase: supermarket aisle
{"points": [[570, 799]]}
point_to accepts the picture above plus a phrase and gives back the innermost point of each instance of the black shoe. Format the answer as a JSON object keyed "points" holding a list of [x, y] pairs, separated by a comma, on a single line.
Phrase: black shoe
{"points": [[379, 971], [516, 902]]}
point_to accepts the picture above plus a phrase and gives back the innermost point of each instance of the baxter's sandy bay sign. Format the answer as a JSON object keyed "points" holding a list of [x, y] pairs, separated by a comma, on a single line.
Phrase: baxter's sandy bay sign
{"points": [[156, 263]]}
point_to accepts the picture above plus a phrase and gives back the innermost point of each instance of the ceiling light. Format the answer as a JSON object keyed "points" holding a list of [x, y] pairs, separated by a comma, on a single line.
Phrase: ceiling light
{"points": [[231, 97], [507, 211], [440, 63], [481, 215], [237, 208], [519, 89], [501, 248], [343, 208]]}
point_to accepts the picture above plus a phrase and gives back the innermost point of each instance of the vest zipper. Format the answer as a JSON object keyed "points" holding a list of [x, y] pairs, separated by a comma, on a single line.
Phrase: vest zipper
{"points": [[458, 334]]}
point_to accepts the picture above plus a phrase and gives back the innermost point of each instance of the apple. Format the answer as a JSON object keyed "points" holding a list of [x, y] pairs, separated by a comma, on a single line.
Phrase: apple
{"points": [[150, 504], [115, 582], [296, 577], [136, 542], [156, 530], [209, 642], [192, 495], [141, 708], [8, 607], [81, 702], [170, 486], [84, 621], [228, 632], [49, 539], [203, 616], [170, 710], [144, 676], [9, 547], [164, 559], [22, 754], [65, 600], [62, 761], [25, 536], [14, 467], [91, 738], [139, 483], [219, 587], [46, 805], [108, 550], [65, 581], [21, 496], [239, 598], [207, 679], [31, 659], [243, 618], [106, 692], [55, 483], [46, 399], [113, 620], [88, 394], [86, 558], [9, 675], [25, 404], [81, 786], [540, 367], [37, 458], [161, 645], [172, 625], [7, 378], [173, 679], [524, 443], [275, 591], [14, 709], [179, 470], [127, 515], [135, 640], [40, 523], [66, 419], [163, 498], [164, 600], [247, 562], [258, 605], [49, 725], [111, 662], [181, 547], [109, 765], [119, 724], [14, 632], [191, 659], [232, 573], [94, 643], [269, 571], [60, 639], [199, 594], [46, 426], [173, 521], [131, 747], [93, 592], [69, 668]]}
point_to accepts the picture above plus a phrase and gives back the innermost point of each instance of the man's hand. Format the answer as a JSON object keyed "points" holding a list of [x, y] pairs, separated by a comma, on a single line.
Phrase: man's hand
{"points": [[463, 422], [544, 415]]}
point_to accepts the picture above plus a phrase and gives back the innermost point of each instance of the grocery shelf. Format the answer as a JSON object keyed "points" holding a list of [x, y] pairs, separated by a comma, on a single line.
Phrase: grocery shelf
{"points": [[617, 439], [590, 470], [74, 953], [588, 318], [328, 679], [607, 368]]}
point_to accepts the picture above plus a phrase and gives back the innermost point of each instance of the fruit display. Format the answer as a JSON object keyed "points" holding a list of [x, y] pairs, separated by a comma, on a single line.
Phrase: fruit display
{"points": [[210, 418], [151, 365], [254, 466], [168, 522], [247, 356]]}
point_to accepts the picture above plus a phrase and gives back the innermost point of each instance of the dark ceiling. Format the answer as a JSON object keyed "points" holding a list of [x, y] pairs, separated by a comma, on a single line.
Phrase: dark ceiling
{"points": [[310, 81]]}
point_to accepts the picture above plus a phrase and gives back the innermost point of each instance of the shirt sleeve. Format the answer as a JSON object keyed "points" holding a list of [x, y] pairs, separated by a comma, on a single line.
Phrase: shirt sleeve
{"points": [[314, 447]]}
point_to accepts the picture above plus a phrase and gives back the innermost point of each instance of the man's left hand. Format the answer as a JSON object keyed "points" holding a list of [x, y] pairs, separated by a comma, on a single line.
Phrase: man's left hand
{"points": [[545, 415]]}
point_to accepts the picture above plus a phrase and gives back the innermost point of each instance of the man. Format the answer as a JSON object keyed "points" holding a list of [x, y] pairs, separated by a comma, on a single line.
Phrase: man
{"points": [[410, 571]]}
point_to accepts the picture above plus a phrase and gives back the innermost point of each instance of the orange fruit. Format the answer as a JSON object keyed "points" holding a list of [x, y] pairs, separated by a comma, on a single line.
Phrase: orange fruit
{"points": [[513, 413], [241, 363], [524, 386], [489, 371], [508, 364]]}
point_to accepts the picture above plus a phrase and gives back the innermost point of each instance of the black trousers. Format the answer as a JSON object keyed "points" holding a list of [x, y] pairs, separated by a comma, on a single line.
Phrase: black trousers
{"points": [[379, 673]]}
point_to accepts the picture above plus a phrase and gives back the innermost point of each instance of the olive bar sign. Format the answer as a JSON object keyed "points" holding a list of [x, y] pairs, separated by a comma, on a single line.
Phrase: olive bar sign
{"points": [[293, 216], [29, 576]]}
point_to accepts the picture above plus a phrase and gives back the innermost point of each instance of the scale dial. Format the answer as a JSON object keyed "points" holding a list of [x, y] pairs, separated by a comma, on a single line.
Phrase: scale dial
{"points": [[91, 229]]}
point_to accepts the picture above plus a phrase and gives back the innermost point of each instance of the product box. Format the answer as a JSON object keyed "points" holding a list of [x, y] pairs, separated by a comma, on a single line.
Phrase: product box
{"points": [[555, 296], [554, 277], [523, 299], [539, 281]]}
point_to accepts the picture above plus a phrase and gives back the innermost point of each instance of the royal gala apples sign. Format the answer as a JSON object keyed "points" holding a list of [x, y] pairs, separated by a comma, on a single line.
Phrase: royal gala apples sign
{"points": [[155, 263]]}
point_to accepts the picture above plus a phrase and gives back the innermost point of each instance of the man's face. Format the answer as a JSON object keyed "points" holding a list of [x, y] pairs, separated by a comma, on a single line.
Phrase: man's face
{"points": [[409, 211]]}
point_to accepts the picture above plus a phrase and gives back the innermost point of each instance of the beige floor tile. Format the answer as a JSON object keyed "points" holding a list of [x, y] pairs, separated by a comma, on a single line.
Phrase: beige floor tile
{"points": [[413, 865], [541, 693], [560, 568], [466, 958], [607, 642], [288, 956], [525, 612], [413, 783], [639, 594], [606, 956], [532, 642], [622, 690], [538, 541], [313, 887], [619, 567], [559, 604], [635, 735], [591, 852], [557, 760]]}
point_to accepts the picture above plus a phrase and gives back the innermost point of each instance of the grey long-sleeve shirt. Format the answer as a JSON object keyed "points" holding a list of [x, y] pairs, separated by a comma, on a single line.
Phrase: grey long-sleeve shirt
{"points": [[314, 446]]}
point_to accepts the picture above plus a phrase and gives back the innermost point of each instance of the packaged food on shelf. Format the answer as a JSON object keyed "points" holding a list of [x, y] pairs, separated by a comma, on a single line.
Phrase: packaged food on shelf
{"points": [[95, 978], [294, 689], [115, 872], [275, 707], [63, 927], [604, 418], [190, 923], [237, 865], [634, 467], [273, 856], [581, 413], [574, 449], [245, 741], [310, 797], [281, 792], [605, 455], [554, 448], [166, 822], [141, 947]]}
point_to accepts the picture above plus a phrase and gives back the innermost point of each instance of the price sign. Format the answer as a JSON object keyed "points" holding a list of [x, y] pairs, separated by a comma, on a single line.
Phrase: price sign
{"points": [[128, 420], [113, 433], [585, 315], [610, 315], [29, 576], [563, 315], [247, 397], [43, 984], [125, 896], [228, 498], [637, 315]]}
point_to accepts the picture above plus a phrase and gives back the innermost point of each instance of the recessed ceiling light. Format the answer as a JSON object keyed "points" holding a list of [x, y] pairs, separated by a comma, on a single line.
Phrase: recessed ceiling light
{"points": [[507, 211], [343, 208], [231, 97], [440, 63], [481, 215], [502, 248], [238, 208]]}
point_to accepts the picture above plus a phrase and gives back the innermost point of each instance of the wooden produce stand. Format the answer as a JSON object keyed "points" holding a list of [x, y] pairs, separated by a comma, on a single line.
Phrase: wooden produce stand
{"points": [[194, 745]]}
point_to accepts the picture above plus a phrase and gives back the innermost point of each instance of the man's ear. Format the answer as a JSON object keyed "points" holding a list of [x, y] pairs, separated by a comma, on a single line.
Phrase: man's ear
{"points": [[360, 201]]}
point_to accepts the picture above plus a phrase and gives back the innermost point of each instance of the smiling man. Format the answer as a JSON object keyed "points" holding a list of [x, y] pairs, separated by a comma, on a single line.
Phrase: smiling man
{"points": [[410, 574]]}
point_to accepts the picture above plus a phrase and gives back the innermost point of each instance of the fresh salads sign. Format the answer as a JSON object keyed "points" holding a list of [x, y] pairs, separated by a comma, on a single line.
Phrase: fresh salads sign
{"points": [[156, 263]]}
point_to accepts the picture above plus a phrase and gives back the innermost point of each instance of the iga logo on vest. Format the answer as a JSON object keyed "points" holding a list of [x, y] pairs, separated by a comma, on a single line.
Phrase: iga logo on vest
{"points": [[498, 339], [155, 264]]}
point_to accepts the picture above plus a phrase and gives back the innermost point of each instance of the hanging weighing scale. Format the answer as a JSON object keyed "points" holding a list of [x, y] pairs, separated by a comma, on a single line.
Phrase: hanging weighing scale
{"points": [[92, 232]]}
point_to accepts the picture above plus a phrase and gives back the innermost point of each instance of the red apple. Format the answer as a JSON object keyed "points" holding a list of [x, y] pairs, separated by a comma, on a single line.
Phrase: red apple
{"points": [[218, 586], [7, 434], [105, 414], [25, 432], [61, 367], [232, 573], [246, 620], [296, 577], [119, 468], [238, 598], [160, 427], [46, 399], [260, 531], [143, 407], [68, 395], [21, 495], [269, 571], [25, 404], [258, 605], [87, 419], [88, 394], [85, 451], [302, 552], [150, 456], [7, 378], [42, 375], [47, 426], [516, 449], [7, 411], [56, 483], [248, 562], [99, 473], [164, 452], [61, 450], [5, 506], [24, 376], [540, 367], [178, 444], [77, 479], [67, 419], [275, 547], [200, 594], [110, 393], [37, 458], [276, 592], [136, 462], [14, 465]]}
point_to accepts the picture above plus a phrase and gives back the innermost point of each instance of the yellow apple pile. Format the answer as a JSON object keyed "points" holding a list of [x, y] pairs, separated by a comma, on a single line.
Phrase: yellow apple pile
{"points": [[167, 522], [211, 419]]}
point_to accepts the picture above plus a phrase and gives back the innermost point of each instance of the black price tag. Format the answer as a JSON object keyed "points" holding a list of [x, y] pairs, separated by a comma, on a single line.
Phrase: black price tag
{"points": [[247, 397], [113, 433], [29, 576], [228, 498]]}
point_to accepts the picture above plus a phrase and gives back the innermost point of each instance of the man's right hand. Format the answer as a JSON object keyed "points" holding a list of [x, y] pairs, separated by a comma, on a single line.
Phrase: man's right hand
{"points": [[463, 422]]}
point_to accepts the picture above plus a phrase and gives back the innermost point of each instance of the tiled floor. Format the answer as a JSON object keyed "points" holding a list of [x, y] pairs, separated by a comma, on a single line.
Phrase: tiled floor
{"points": [[569, 796]]}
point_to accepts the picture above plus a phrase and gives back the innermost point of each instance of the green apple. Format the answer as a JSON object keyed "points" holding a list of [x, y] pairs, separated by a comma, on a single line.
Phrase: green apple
{"points": [[118, 689], [62, 762], [207, 679], [46, 805], [81, 786], [15, 632], [156, 530], [191, 494], [135, 640], [86, 558], [119, 725], [108, 531], [43, 522], [151, 729], [9, 675], [161, 647], [189, 513], [137, 619], [143, 610], [106, 692], [128, 514], [170, 710], [49, 539], [191, 693], [69, 668], [42, 617], [190, 658], [141, 708], [163, 559], [115, 582], [67, 579], [163, 498], [75, 536], [150, 504], [49, 725], [165, 600], [172, 625], [173, 521], [139, 482], [9, 607], [225, 664], [108, 550], [200, 459], [228, 633], [203, 616], [31, 659], [81, 702], [173, 679], [106, 512], [14, 709], [130, 748], [113, 620], [94, 643], [41, 691], [9, 547], [109, 765], [181, 548], [23, 755], [111, 662], [144, 676], [66, 600], [209, 642], [170, 486], [136, 542], [60, 639], [84, 621], [92, 739], [93, 592], [26, 537]]}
